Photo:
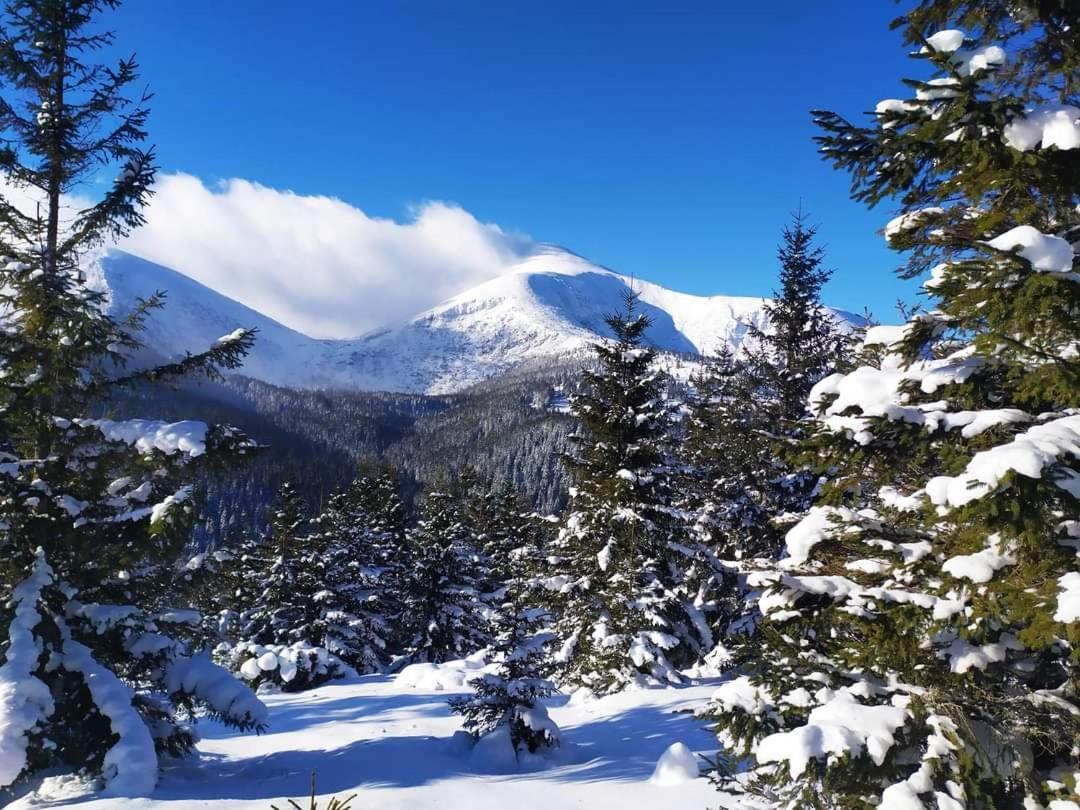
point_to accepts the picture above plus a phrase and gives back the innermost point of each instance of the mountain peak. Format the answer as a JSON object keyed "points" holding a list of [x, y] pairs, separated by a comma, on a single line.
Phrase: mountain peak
{"points": [[552, 304]]}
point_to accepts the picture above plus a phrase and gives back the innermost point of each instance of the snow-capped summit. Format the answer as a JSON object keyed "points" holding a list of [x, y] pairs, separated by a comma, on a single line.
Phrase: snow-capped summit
{"points": [[552, 304]]}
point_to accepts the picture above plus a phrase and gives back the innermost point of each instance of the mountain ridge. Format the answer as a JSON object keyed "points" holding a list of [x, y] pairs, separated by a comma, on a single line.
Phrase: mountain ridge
{"points": [[551, 304]]}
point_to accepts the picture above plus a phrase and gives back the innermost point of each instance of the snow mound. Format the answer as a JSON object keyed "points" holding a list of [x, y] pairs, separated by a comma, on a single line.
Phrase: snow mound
{"points": [[494, 752], [280, 665], [677, 765], [446, 677]]}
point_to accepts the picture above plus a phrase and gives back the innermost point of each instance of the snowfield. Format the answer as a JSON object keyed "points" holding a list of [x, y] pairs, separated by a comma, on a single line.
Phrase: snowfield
{"points": [[394, 745]]}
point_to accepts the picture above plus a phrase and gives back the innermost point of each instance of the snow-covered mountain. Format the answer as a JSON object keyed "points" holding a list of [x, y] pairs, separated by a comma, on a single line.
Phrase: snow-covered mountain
{"points": [[551, 305]]}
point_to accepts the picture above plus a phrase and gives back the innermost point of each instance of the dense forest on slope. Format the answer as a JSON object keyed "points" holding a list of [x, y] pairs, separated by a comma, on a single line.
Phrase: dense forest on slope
{"points": [[509, 430]]}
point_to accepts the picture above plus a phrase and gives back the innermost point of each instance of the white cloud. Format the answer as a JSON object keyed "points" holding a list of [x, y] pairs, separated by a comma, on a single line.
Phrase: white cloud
{"points": [[318, 264]]}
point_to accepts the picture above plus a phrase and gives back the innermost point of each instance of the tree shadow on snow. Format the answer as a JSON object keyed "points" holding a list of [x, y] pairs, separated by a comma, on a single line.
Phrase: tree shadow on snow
{"points": [[623, 747], [626, 746]]}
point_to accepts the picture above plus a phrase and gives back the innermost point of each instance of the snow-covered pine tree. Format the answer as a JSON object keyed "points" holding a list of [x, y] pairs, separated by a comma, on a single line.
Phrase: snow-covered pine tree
{"points": [[285, 633], [800, 343], [725, 483], [378, 499], [95, 672], [510, 539], [359, 557], [224, 581], [922, 636], [443, 615], [616, 571], [731, 470], [507, 700], [742, 483]]}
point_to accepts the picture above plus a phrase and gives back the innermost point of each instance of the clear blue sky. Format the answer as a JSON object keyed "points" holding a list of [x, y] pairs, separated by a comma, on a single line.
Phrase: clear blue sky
{"points": [[665, 139]]}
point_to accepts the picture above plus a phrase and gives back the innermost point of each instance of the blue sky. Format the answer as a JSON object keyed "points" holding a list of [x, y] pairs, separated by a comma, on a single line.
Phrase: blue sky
{"points": [[665, 139]]}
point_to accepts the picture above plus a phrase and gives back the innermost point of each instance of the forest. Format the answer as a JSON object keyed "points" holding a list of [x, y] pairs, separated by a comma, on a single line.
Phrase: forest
{"points": [[865, 538]]}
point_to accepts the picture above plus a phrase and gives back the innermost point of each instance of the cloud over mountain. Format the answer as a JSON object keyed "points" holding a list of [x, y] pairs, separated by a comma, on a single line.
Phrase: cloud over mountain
{"points": [[316, 263]]}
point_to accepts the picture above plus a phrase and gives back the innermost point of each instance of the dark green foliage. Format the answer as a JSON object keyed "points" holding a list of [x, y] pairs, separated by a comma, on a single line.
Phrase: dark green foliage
{"points": [[509, 697], [505, 429], [442, 609], [98, 510], [297, 621], [316, 439], [621, 612], [362, 534], [742, 484], [930, 575], [802, 340]]}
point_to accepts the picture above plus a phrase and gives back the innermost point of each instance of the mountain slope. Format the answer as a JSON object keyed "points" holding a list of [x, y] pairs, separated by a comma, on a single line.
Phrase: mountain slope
{"points": [[551, 305]]}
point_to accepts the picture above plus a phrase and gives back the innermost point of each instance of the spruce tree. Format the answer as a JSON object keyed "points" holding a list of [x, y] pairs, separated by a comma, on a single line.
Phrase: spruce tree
{"points": [[287, 635], [616, 571], [444, 615], [801, 341], [731, 461], [378, 500], [920, 642], [727, 494], [509, 540], [507, 698], [743, 484], [96, 673], [360, 559]]}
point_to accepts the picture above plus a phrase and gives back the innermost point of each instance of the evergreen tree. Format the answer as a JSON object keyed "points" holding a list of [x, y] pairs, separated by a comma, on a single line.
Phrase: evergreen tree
{"points": [[920, 643], [506, 697], [507, 700], [96, 673], [742, 483], [731, 461], [443, 613], [360, 558], [378, 499], [287, 636], [727, 494], [510, 540], [800, 342], [621, 615]]}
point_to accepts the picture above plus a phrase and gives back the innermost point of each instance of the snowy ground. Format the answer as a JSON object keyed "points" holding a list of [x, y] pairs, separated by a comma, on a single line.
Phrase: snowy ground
{"points": [[393, 745]]}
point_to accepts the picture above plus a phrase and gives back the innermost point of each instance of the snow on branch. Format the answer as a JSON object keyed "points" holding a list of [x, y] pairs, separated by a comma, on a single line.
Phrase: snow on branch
{"points": [[840, 725], [25, 701], [146, 436], [1044, 252], [1045, 127], [217, 687], [130, 767], [1029, 454]]}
